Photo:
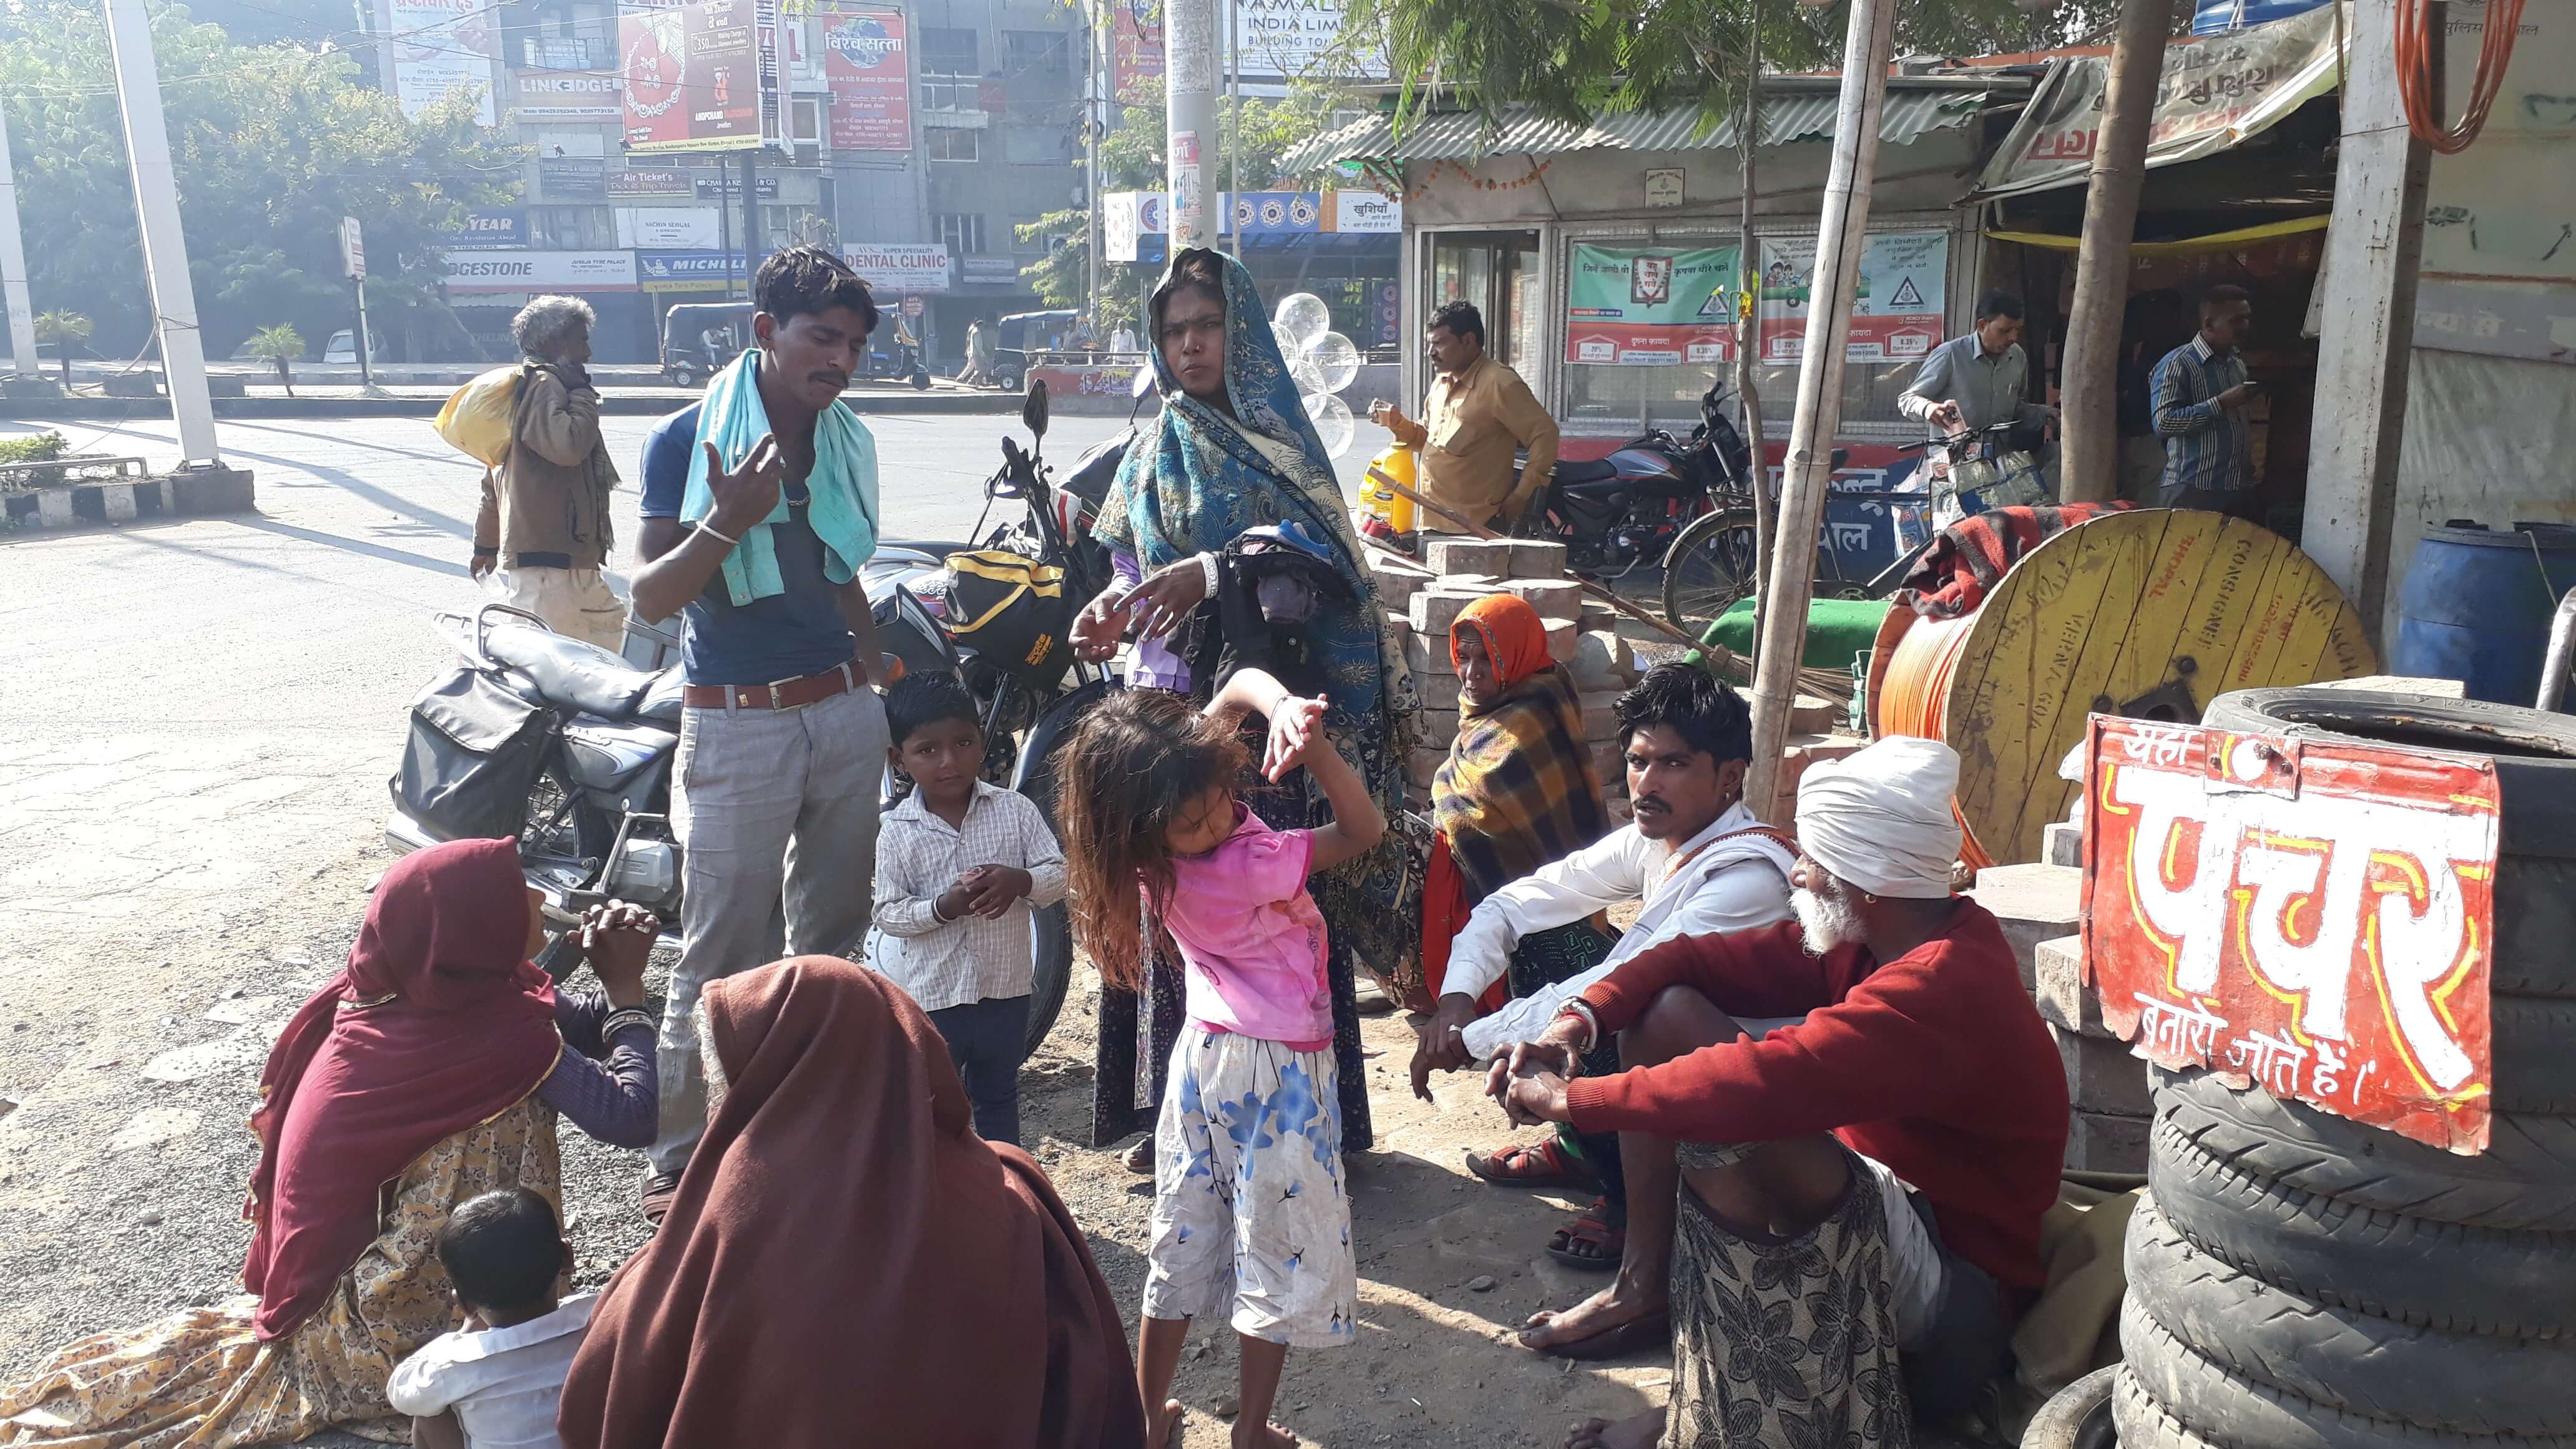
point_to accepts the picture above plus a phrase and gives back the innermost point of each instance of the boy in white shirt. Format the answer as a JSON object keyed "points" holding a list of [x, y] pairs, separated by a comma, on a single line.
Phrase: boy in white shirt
{"points": [[494, 1383], [961, 865]]}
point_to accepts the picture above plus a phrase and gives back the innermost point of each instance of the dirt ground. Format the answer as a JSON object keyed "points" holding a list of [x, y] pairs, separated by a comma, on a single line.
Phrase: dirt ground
{"points": [[122, 1177]]}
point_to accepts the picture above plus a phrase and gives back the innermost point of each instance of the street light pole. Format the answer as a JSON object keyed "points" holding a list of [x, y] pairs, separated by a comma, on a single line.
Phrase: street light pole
{"points": [[1189, 116], [13, 266], [165, 249], [1095, 114]]}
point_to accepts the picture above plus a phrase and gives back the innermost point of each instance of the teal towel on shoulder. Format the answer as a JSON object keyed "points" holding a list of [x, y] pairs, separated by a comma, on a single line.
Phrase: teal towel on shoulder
{"points": [[843, 511]]}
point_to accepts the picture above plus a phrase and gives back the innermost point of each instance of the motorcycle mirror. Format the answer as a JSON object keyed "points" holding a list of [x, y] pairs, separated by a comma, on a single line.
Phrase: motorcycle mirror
{"points": [[1033, 412], [1141, 384]]}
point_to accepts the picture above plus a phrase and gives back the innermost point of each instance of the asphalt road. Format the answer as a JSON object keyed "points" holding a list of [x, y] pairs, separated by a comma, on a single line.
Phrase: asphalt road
{"points": [[197, 722]]}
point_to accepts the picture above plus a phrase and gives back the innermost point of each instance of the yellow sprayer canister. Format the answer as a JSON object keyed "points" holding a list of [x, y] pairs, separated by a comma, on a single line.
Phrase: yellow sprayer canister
{"points": [[1393, 508]]}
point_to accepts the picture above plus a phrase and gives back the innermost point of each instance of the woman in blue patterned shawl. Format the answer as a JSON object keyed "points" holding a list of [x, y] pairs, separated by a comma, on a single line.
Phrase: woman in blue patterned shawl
{"points": [[1233, 450]]}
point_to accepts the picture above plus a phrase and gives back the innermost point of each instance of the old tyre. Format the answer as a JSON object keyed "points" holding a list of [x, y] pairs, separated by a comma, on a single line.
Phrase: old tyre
{"points": [[2535, 757], [2511, 1283], [2077, 1416], [2351, 1363], [2525, 1179], [2225, 1409], [2139, 1422], [1709, 569], [2535, 1053]]}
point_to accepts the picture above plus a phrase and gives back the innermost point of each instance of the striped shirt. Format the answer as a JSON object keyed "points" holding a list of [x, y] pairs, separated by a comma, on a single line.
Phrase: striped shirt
{"points": [[919, 856], [2206, 446]]}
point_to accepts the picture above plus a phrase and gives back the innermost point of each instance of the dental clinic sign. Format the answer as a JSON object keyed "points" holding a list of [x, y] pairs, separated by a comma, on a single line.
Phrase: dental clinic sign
{"points": [[2313, 918]]}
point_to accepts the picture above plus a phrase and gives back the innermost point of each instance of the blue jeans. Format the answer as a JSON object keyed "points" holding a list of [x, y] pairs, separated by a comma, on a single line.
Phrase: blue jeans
{"points": [[986, 1039]]}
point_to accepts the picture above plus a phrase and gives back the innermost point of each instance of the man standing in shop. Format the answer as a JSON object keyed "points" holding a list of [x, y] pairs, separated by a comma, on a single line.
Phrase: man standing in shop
{"points": [[2199, 395], [1477, 415], [1977, 380]]}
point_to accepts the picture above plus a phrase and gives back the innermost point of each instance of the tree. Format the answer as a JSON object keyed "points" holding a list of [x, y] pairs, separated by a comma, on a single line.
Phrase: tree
{"points": [[65, 330], [277, 346], [1132, 159], [272, 145]]}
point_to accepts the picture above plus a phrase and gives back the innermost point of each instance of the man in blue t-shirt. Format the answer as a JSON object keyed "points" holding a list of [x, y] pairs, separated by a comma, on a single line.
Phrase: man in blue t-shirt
{"points": [[783, 746]]}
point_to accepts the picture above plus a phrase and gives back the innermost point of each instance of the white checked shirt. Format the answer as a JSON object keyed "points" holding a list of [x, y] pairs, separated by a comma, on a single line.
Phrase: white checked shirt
{"points": [[919, 856]]}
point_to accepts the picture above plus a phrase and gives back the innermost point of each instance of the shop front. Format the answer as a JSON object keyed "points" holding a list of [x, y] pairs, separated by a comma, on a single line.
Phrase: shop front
{"points": [[1604, 257], [487, 288], [1345, 247]]}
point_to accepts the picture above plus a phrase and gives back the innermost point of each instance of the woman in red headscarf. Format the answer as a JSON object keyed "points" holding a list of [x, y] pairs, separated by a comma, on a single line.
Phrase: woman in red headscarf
{"points": [[1517, 792], [846, 1262], [427, 1072]]}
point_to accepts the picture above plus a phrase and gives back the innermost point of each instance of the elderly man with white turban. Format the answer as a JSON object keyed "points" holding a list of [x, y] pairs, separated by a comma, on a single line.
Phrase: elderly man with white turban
{"points": [[1861, 1187]]}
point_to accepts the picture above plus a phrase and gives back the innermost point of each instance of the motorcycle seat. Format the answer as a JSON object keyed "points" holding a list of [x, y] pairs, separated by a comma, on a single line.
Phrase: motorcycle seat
{"points": [[1590, 470], [574, 675], [606, 754]]}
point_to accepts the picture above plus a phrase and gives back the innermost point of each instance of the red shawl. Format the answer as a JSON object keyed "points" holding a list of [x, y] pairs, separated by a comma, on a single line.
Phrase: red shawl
{"points": [[462, 1029], [1970, 556], [846, 1261]]}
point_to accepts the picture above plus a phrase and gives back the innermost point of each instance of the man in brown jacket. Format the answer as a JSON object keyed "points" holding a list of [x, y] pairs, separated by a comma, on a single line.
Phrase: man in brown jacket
{"points": [[544, 523]]}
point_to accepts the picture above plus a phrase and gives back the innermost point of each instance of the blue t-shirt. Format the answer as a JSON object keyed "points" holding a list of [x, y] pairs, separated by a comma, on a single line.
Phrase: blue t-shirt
{"points": [[798, 632]]}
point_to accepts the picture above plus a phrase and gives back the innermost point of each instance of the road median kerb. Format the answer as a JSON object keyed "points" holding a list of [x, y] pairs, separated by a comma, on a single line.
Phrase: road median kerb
{"points": [[634, 402]]}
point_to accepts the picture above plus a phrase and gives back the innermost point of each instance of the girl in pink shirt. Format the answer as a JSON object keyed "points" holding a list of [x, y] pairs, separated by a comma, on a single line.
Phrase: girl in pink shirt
{"points": [[1250, 1211]]}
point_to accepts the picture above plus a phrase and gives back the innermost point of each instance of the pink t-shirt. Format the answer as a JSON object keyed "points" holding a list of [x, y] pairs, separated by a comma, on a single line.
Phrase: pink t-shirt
{"points": [[1252, 938]]}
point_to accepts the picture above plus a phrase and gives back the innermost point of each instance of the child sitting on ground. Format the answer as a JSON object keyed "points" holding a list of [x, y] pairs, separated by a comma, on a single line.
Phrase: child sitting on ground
{"points": [[1150, 806], [495, 1381], [960, 864]]}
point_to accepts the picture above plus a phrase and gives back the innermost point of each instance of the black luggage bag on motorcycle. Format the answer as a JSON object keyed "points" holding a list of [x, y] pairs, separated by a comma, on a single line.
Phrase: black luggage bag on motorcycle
{"points": [[472, 755], [1013, 611]]}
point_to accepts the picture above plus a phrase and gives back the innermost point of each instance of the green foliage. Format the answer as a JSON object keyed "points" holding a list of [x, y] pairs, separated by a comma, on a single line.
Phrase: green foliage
{"points": [[1132, 159], [281, 343], [62, 327], [272, 146], [1575, 59], [40, 448]]}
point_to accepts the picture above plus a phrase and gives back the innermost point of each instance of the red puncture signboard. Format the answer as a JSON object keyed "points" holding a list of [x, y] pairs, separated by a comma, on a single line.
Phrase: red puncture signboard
{"points": [[2313, 918]]}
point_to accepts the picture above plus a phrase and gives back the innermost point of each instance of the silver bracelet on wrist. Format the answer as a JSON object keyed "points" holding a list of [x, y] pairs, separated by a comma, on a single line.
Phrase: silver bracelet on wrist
{"points": [[1577, 1007], [1207, 568], [711, 531], [623, 1018]]}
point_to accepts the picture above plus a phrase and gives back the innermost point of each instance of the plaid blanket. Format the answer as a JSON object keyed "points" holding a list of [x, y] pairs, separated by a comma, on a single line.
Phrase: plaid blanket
{"points": [[1972, 555]]}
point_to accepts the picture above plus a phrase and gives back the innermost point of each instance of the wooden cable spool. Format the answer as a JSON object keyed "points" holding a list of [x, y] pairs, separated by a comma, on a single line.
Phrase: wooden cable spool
{"points": [[2149, 613]]}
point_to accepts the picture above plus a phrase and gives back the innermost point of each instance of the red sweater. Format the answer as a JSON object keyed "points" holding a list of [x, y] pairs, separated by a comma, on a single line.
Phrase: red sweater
{"points": [[1935, 1064]]}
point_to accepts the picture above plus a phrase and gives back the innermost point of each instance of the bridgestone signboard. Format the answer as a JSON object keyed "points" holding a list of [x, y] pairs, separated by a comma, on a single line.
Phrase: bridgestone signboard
{"points": [[469, 272]]}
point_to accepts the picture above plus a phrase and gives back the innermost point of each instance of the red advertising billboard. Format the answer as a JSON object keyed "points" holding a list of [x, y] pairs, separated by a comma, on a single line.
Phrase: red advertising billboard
{"points": [[1135, 47], [693, 77], [2312, 918], [869, 70]]}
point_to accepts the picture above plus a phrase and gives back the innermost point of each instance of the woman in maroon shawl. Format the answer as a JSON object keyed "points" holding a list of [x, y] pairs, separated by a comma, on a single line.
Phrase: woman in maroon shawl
{"points": [[428, 1071], [846, 1262]]}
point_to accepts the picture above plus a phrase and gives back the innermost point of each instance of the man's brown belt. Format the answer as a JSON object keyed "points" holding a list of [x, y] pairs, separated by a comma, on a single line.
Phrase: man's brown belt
{"points": [[781, 694]]}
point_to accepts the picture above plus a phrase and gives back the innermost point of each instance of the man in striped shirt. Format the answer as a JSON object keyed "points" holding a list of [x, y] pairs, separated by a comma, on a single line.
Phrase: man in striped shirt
{"points": [[2199, 393]]}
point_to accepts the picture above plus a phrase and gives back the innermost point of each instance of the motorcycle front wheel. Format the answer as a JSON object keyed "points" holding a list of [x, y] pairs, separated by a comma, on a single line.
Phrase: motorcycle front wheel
{"points": [[1709, 570]]}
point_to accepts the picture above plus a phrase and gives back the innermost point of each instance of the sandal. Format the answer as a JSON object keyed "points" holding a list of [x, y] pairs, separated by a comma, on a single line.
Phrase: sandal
{"points": [[1521, 1164], [1591, 1242], [1139, 1157]]}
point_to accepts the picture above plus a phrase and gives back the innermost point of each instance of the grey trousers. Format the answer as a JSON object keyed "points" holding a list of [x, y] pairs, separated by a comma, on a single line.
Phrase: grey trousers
{"points": [[765, 802]]}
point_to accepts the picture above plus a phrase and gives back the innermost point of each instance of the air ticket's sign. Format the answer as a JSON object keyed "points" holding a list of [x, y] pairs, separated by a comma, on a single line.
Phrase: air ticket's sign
{"points": [[2314, 918]]}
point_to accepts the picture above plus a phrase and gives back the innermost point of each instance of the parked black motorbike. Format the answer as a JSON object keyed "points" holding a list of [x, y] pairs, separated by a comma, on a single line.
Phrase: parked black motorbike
{"points": [[1630, 509], [569, 748]]}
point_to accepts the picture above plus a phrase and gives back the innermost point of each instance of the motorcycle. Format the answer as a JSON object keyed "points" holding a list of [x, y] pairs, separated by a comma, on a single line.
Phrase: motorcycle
{"points": [[1630, 509], [569, 748]]}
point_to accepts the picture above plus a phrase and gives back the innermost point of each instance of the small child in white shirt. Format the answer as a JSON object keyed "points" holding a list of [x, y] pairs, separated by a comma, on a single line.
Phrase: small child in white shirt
{"points": [[494, 1383], [961, 864]]}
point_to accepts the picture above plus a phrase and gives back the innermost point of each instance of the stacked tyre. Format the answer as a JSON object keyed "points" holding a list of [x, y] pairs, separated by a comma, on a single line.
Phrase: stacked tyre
{"points": [[2301, 1281]]}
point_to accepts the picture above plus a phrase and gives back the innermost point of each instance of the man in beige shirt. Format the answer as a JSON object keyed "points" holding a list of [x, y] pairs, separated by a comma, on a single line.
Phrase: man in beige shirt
{"points": [[1477, 415]]}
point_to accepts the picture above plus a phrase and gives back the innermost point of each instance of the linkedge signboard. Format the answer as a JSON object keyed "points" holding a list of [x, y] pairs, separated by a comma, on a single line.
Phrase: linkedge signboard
{"points": [[2313, 918]]}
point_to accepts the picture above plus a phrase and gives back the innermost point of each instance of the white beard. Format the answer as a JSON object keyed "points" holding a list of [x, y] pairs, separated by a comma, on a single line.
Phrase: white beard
{"points": [[1827, 923]]}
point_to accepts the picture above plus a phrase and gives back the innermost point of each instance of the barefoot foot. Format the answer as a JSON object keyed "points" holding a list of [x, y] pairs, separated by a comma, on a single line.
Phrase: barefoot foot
{"points": [[1162, 1427], [1640, 1432], [1262, 1436], [1598, 1314]]}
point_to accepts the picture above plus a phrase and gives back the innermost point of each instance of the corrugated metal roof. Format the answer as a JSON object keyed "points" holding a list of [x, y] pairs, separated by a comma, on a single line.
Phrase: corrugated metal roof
{"points": [[1798, 116]]}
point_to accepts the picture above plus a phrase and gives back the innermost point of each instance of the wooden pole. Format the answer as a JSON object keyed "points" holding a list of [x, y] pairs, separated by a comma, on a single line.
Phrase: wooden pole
{"points": [[1748, 320], [1810, 465], [1478, 530], [2373, 249], [2091, 378]]}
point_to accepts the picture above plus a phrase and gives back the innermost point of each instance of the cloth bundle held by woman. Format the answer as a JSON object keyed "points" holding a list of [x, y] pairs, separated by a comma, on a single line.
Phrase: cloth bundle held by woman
{"points": [[845, 1260]]}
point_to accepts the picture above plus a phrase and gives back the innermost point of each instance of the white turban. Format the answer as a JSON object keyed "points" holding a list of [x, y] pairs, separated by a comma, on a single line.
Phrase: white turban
{"points": [[1881, 819]]}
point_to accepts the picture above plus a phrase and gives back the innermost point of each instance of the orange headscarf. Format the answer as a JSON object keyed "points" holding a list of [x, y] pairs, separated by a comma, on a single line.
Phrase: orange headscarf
{"points": [[1512, 633]]}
